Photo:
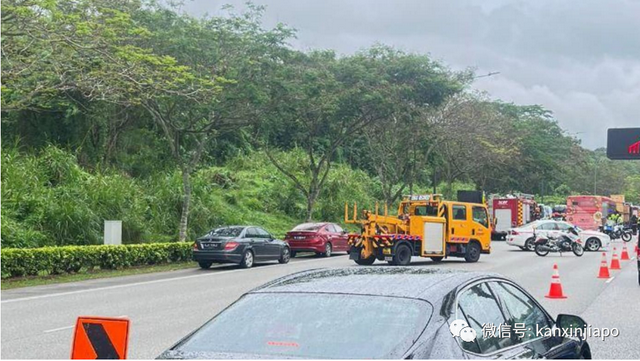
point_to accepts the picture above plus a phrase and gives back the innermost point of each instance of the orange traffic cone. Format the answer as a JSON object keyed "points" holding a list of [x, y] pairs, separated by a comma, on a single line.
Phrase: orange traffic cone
{"points": [[615, 262], [604, 270], [625, 253], [555, 291]]}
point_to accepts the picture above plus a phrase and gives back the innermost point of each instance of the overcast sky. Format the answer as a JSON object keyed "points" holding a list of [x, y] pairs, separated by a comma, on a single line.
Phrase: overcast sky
{"points": [[578, 58]]}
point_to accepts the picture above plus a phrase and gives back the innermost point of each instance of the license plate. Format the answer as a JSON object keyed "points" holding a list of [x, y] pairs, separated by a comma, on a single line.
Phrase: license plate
{"points": [[210, 245], [299, 237], [386, 251], [388, 259]]}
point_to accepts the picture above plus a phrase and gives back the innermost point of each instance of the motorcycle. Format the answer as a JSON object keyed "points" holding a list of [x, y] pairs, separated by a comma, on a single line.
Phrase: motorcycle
{"points": [[559, 242], [617, 232]]}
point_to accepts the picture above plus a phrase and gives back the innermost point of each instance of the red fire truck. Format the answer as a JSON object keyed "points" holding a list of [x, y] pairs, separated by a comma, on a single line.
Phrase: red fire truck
{"points": [[587, 212], [511, 211]]}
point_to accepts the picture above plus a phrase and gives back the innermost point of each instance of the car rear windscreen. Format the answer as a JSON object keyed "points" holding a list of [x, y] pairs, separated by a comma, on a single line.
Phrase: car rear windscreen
{"points": [[227, 232], [308, 227], [313, 326]]}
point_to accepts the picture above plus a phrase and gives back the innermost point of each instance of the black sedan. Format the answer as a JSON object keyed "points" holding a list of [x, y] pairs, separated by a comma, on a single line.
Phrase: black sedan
{"points": [[385, 312], [244, 245]]}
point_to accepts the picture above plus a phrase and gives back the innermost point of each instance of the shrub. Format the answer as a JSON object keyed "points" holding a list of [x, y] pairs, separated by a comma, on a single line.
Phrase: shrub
{"points": [[17, 262]]}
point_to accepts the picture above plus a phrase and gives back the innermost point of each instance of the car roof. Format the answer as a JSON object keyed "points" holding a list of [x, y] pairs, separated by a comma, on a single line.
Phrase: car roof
{"points": [[406, 282]]}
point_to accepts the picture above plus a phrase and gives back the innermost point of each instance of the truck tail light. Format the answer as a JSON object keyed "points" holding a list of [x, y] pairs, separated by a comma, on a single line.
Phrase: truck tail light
{"points": [[230, 245]]}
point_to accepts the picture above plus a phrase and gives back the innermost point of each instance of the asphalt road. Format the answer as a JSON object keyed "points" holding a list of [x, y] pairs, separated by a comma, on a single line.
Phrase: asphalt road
{"points": [[37, 322]]}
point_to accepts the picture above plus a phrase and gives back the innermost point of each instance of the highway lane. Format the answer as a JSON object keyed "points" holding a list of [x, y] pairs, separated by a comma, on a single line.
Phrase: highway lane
{"points": [[36, 322]]}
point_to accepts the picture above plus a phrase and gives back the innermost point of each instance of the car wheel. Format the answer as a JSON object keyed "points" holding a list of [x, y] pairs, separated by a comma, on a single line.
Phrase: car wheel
{"points": [[473, 252], [328, 249], [285, 255], [204, 265], [436, 259], [402, 256], [247, 259], [529, 245], [293, 254], [592, 244]]}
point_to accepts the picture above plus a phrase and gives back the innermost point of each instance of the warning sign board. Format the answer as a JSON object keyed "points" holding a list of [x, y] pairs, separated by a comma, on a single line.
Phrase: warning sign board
{"points": [[100, 338], [623, 143]]}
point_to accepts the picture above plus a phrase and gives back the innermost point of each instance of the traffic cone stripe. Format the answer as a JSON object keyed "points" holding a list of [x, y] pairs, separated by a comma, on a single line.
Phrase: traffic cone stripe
{"points": [[604, 270], [555, 290], [625, 254], [615, 262]]}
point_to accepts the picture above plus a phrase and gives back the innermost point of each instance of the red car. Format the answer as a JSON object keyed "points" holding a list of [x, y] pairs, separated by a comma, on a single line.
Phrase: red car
{"points": [[321, 238]]}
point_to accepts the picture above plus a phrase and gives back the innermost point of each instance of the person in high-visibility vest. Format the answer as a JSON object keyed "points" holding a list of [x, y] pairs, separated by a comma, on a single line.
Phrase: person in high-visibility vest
{"points": [[619, 218]]}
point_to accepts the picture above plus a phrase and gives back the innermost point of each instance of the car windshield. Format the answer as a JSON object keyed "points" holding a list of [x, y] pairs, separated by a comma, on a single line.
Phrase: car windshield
{"points": [[314, 326], [308, 227], [227, 232]]}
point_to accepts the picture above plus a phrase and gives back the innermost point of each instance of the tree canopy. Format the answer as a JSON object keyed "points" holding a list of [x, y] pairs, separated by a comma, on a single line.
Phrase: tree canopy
{"points": [[143, 90]]}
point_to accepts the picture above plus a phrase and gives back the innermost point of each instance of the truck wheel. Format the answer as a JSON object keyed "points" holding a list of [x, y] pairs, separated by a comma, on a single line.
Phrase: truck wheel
{"points": [[366, 261], [436, 259], [402, 256], [473, 252], [204, 264]]}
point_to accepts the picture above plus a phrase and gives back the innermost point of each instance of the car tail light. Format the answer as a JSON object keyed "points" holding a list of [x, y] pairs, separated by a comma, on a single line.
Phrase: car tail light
{"points": [[195, 246], [230, 245], [514, 233]]}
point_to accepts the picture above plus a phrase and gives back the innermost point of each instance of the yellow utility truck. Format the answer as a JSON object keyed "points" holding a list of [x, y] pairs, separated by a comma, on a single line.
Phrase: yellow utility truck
{"points": [[425, 226]]}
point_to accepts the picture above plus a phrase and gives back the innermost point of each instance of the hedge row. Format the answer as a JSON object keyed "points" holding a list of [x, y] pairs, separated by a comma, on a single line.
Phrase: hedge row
{"points": [[17, 262]]}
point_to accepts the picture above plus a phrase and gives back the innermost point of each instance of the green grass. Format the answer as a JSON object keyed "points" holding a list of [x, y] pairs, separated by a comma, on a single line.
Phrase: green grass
{"points": [[47, 280]]}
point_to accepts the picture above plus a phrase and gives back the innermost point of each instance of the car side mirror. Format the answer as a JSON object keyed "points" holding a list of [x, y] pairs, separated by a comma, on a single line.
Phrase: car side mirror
{"points": [[572, 326]]}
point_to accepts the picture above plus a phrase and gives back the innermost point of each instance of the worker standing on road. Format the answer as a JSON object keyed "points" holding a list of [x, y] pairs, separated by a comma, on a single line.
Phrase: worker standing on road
{"points": [[633, 222]]}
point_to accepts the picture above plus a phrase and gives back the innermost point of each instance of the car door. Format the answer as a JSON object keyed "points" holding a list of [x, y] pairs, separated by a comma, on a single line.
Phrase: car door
{"points": [[531, 324], [544, 229], [341, 237], [480, 227], [256, 243], [478, 307], [460, 228], [272, 247]]}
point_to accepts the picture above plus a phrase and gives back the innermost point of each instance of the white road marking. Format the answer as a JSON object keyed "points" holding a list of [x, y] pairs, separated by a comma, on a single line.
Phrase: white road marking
{"points": [[610, 279], [72, 326], [144, 283], [59, 329]]}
